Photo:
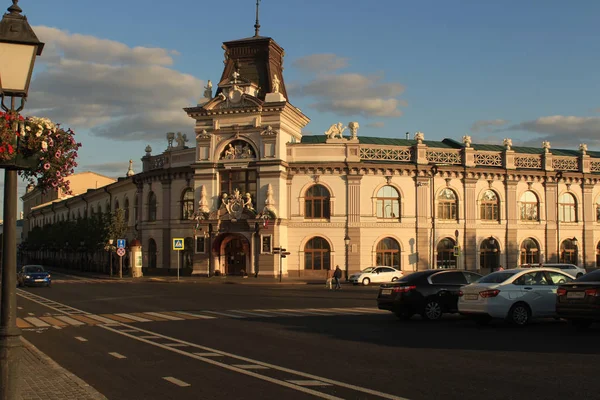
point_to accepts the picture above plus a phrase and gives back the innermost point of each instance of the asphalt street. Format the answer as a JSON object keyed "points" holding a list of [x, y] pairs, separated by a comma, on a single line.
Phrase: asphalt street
{"points": [[202, 341]]}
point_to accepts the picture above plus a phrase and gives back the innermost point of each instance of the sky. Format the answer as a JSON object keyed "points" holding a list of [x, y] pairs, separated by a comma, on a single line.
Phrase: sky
{"points": [[119, 72]]}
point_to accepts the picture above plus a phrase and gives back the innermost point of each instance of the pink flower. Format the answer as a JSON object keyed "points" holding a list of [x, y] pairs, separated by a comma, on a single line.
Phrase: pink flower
{"points": [[47, 166], [57, 154]]}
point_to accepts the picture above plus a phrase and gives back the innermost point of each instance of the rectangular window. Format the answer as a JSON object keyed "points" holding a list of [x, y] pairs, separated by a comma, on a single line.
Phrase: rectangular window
{"points": [[200, 244], [266, 241]]}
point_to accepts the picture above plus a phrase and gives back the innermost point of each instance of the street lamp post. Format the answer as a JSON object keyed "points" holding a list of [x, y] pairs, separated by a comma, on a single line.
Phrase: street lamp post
{"points": [[110, 243], [19, 47], [347, 243]]}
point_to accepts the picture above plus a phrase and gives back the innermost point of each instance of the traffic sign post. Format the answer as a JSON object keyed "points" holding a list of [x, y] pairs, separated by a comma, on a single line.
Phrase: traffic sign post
{"points": [[121, 243], [120, 253], [282, 254], [178, 245]]}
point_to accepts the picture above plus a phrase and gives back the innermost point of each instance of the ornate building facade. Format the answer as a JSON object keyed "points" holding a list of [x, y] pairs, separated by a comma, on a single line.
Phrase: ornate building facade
{"points": [[251, 182]]}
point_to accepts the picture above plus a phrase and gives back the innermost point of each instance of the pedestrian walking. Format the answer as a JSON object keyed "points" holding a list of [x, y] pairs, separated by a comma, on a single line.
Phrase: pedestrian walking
{"points": [[337, 275], [500, 268], [329, 279]]}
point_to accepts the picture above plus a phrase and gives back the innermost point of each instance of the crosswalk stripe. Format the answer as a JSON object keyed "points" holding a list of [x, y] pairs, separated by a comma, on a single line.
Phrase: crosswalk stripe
{"points": [[250, 366], [165, 316], [21, 324], [224, 314], [196, 315], [273, 312], [53, 321], [133, 317], [253, 314], [299, 312], [174, 314], [150, 317], [308, 382], [85, 319], [102, 319], [117, 318], [38, 323], [69, 320], [374, 310]]}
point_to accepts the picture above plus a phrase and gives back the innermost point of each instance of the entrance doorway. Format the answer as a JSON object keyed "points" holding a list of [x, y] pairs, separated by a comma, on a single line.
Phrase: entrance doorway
{"points": [[235, 257]]}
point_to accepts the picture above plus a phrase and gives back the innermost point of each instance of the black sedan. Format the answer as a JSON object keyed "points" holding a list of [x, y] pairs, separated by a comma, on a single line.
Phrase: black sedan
{"points": [[33, 275], [579, 301], [429, 293]]}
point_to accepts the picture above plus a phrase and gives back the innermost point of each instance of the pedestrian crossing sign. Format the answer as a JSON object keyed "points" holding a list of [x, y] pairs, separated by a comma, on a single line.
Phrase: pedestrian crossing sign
{"points": [[178, 244]]}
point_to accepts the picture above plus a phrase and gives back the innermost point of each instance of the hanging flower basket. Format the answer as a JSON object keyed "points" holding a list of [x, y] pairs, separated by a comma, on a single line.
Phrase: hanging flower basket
{"points": [[42, 151]]}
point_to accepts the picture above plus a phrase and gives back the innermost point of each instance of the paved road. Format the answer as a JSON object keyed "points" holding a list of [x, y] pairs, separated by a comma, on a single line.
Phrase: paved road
{"points": [[190, 341]]}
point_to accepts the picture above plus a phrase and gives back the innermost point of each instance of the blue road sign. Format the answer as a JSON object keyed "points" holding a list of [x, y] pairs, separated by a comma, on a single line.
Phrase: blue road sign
{"points": [[121, 243], [178, 244]]}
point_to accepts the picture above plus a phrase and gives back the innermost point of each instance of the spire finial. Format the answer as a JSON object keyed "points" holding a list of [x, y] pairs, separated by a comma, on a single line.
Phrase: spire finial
{"points": [[256, 25], [15, 9]]}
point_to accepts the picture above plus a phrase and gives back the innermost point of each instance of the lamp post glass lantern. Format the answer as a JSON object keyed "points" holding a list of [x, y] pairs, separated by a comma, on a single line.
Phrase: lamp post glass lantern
{"points": [[19, 47]]}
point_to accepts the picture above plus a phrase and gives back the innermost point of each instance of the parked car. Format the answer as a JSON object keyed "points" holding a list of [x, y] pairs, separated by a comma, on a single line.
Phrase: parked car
{"points": [[376, 275], [429, 293], [516, 295], [33, 275], [570, 269], [579, 301]]}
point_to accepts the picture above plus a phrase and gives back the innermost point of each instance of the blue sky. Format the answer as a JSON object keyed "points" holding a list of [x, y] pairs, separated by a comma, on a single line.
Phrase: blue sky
{"points": [[119, 72]]}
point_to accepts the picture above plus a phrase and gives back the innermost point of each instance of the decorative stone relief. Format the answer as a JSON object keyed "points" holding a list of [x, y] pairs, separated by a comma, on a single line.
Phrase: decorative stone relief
{"points": [[546, 146], [583, 148], [335, 130], [507, 143], [353, 126], [208, 90], [419, 137], [466, 140], [203, 135], [181, 139], [203, 203], [236, 204], [275, 84], [238, 149], [170, 138], [148, 150], [379, 153], [269, 131]]}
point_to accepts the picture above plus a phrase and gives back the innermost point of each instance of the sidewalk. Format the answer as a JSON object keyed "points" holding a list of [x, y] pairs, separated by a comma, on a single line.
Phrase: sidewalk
{"points": [[43, 379]]}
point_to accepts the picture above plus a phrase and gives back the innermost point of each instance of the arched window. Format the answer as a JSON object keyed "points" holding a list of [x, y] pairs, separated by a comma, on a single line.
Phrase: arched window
{"points": [[388, 253], [117, 205], [317, 254], [447, 205], [151, 253], [388, 203], [489, 254], [445, 253], [598, 255], [568, 251], [490, 206], [127, 210], [187, 203], [530, 252], [135, 209], [316, 202], [108, 206], [567, 208], [530, 207], [151, 206], [598, 209]]}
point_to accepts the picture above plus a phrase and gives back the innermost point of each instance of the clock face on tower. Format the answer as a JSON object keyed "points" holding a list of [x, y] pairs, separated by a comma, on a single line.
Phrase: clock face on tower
{"points": [[235, 95]]}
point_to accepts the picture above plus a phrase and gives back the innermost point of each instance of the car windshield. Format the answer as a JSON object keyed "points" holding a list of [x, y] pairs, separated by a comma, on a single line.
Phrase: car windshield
{"points": [[593, 276], [34, 269], [496, 277], [367, 270]]}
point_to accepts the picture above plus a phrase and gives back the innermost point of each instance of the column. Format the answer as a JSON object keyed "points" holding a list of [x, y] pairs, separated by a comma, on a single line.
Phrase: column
{"points": [[469, 247], [165, 211], [512, 213]]}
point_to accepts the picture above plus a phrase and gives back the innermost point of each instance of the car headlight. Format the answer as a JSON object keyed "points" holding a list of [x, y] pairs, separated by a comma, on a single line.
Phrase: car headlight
{"points": [[48, 276], [27, 276]]}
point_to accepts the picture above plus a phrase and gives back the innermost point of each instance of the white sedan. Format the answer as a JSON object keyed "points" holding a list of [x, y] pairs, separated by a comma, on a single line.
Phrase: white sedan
{"points": [[375, 274], [516, 295]]}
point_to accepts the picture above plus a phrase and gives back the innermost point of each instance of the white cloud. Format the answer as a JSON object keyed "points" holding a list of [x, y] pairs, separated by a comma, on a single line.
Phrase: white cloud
{"points": [[378, 124], [353, 94], [564, 131], [320, 62], [487, 125], [89, 83]]}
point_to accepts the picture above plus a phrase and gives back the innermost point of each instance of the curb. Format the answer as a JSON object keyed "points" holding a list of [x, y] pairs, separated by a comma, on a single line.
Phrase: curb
{"points": [[93, 393]]}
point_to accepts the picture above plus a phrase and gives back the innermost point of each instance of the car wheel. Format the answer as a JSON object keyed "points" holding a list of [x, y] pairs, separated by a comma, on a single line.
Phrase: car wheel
{"points": [[404, 315], [432, 310], [394, 279], [519, 314], [579, 275], [366, 281], [581, 324]]}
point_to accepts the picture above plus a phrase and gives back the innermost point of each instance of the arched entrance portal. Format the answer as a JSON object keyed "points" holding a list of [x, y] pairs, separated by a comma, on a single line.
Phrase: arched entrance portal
{"points": [[235, 251]]}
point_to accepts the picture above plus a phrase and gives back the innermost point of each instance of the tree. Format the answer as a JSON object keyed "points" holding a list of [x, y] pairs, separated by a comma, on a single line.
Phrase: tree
{"points": [[117, 227]]}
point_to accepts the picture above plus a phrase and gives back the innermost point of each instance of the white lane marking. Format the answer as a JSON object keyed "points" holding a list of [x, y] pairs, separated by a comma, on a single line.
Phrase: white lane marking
{"points": [[251, 361], [273, 312], [19, 308], [30, 313], [45, 302], [117, 355], [81, 339], [159, 315], [373, 310], [38, 323], [225, 314], [150, 337], [252, 314], [173, 344], [250, 366], [56, 327], [133, 317], [128, 330], [102, 319], [351, 311], [195, 315], [207, 354], [176, 381], [308, 383], [69, 320], [300, 312]]}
